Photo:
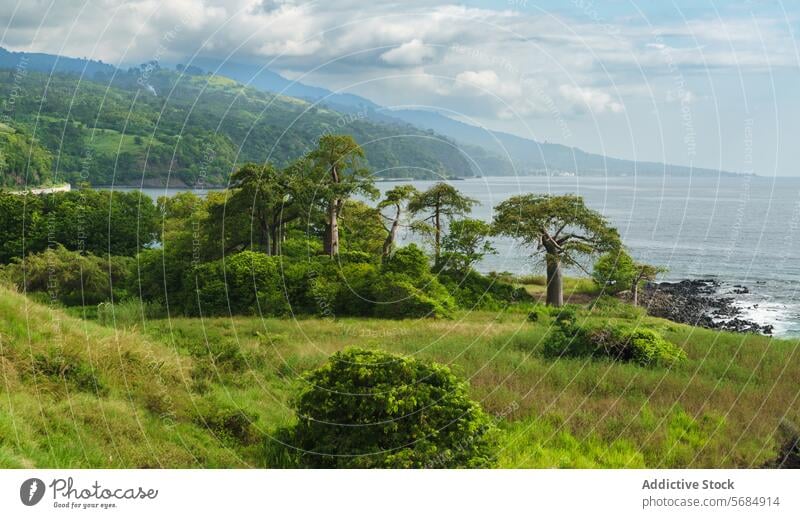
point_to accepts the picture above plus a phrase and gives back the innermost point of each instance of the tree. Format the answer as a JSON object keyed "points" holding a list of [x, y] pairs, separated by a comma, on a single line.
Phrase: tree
{"points": [[361, 228], [397, 199], [643, 273], [257, 189], [337, 164], [561, 226], [440, 201], [101, 222], [372, 409], [617, 271], [466, 243]]}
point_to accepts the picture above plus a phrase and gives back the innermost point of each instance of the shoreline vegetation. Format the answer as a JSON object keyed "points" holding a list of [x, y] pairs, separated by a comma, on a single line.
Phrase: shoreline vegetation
{"points": [[278, 323]]}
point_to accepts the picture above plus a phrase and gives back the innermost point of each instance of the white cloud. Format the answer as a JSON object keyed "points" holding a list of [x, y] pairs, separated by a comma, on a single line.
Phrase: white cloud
{"points": [[495, 64], [597, 101], [414, 52]]}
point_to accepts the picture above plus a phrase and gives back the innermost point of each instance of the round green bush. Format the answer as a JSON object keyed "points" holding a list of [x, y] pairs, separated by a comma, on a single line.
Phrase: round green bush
{"points": [[373, 409]]}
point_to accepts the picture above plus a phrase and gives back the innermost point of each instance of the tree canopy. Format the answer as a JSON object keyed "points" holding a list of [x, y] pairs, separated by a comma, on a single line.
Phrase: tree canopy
{"points": [[562, 227], [339, 169], [396, 199], [439, 203]]}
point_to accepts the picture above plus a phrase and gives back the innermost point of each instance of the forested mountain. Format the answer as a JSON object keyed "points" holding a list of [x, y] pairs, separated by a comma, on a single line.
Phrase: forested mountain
{"points": [[151, 125]]}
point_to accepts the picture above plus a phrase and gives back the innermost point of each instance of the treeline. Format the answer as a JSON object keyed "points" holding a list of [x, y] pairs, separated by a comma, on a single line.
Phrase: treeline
{"points": [[295, 240], [280, 241]]}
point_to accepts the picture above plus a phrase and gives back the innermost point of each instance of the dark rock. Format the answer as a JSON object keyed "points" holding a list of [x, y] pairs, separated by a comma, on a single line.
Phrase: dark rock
{"points": [[697, 302]]}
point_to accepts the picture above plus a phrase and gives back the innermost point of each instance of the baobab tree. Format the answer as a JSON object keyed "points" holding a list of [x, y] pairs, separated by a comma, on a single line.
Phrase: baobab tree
{"points": [[396, 199], [440, 202], [338, 166], [562, 227]]}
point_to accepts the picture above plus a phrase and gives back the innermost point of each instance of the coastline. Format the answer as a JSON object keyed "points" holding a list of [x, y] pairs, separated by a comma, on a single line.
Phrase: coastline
{"points": [[707, 303]]}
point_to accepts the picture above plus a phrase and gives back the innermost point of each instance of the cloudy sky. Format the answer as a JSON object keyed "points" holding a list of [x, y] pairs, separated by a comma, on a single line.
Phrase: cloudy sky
{"points": [[709, 83]]}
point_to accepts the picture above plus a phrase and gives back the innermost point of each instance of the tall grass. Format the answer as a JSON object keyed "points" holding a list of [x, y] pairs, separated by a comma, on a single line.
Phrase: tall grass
{"points": [[187, 392]]}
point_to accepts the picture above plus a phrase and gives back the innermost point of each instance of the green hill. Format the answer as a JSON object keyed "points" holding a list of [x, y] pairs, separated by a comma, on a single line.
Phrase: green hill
{"points": [[154, 125]]}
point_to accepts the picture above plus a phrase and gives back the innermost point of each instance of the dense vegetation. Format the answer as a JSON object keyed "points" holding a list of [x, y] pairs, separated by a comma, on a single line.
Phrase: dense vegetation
{"points": [[287, 269], [22, 159], [151, 125], [99, 222]]}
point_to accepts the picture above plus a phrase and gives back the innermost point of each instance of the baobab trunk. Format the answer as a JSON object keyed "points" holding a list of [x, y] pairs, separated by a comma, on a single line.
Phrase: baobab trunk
{"points": [[555, 293], [332, 241], [276, 240], [438, 236], [266, 242], [388, 244]]}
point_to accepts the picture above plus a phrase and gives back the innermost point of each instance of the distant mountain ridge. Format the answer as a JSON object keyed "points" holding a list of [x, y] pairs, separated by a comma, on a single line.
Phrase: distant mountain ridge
{"points": [[454, 149], [502, 153]]}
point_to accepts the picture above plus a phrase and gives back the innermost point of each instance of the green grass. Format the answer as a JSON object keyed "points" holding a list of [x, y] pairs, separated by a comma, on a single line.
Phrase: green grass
{"points": [[111, 142], [157, 392]]}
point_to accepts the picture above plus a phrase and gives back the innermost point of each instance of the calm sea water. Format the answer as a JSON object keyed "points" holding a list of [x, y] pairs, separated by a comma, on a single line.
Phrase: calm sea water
{"points": [[739, 230]]}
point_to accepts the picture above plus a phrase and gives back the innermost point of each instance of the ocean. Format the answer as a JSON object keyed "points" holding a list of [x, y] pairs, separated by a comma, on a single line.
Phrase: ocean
{"points": [[736, 229]]}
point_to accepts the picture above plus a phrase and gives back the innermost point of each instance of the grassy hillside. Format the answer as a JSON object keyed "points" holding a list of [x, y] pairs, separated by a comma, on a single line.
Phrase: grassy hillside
{"points": [[78, 395], [188, 392], [145, 124]]}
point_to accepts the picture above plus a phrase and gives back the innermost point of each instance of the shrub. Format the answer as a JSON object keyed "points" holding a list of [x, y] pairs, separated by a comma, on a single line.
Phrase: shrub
{"points": [[357, 289], [247, 282], [355, 257], [409, 260], [614, 272], [789, 454], [352, 284], [472, 290], [300, 245], [69, 369], [74, 278], [160, 275], [372, 409], [648, 346], [619, 342], [399, 298], [228, 423]]}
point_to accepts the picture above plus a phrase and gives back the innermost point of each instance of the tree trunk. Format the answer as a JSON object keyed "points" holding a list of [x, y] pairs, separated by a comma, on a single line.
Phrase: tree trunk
{"points": [[635, 290], [438, 236], [332, 242], [388, 244], [275, 239], [555, 292], [266, 242]]}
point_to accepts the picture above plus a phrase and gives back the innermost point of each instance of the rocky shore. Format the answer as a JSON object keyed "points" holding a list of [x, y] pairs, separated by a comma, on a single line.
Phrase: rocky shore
{"points": [[699, 302]]}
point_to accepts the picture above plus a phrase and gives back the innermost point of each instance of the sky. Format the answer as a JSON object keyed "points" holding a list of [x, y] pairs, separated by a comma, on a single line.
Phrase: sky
{"points": [[706, 83]]}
